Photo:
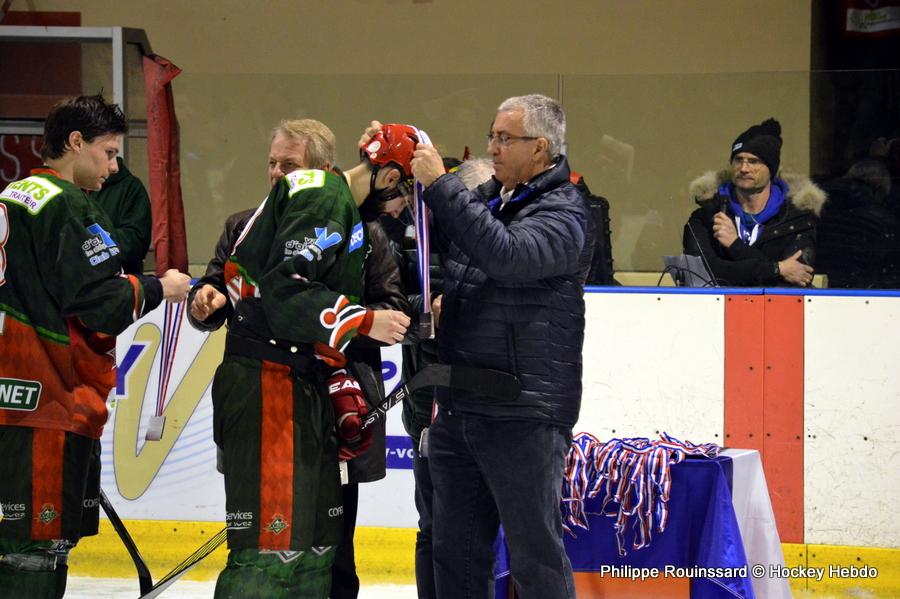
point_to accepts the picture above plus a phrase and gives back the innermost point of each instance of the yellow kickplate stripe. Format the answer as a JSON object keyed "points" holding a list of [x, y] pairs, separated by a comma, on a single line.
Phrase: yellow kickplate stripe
{"points": [[853, 571], [832, 571], [386, 556], [163, 545], [383, 555]]}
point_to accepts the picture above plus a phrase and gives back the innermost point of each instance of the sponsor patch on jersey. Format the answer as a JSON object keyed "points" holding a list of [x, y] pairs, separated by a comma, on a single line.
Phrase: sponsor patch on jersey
{"points": [[19, 394], [304, 179], [311, 248], [100, 247], [33, 193], [278, 524], [356, 237], [48, 513], [12, 511], [238, 520]]}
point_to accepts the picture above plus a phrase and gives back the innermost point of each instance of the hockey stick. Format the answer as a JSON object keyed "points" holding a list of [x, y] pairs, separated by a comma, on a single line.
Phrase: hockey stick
{"points": [[145, 580], [493, 383], [189, 562]]}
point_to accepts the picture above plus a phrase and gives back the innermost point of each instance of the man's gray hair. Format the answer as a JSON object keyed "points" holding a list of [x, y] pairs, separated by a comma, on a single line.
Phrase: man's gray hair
{"points": [[475, 171], [321, 147], [542, 117]]}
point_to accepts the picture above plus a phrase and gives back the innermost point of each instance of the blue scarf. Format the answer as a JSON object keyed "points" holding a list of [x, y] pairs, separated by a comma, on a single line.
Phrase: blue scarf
{"points": [[748, 222]]}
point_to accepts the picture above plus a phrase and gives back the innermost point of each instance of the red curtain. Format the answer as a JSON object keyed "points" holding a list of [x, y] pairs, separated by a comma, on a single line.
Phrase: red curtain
{"points": [[169, 238]]}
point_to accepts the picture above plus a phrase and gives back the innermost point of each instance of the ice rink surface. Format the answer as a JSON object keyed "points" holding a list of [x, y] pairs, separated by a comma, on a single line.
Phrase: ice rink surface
{"points": [[79, 587]]}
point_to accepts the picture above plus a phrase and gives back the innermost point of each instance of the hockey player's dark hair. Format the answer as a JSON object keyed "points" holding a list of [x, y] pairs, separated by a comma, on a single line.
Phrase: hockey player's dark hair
{"points": [[90, 115]]}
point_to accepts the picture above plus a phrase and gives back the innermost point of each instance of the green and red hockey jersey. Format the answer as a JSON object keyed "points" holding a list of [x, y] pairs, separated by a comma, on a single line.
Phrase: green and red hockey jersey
{"points": [[63, 298], [296, 273]]}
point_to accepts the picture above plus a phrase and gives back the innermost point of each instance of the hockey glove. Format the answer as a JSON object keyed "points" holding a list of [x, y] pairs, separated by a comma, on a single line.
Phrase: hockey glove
{"points": [[350, 410]]}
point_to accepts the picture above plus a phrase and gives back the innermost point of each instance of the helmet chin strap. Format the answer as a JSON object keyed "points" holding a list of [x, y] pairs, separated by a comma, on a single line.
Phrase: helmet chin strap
{"points": [[375, 169], [371, 205]]}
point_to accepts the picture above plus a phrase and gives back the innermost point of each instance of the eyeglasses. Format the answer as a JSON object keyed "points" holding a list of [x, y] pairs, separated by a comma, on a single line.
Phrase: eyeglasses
{"points": [[504, 139], [753, 163]]}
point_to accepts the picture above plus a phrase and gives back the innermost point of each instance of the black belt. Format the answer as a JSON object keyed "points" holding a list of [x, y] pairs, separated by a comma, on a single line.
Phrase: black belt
{"points": [[236, 345]]}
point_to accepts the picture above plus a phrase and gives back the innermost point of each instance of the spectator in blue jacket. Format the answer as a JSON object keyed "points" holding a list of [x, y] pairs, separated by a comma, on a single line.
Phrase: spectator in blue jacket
{"points": [[512, 301]]}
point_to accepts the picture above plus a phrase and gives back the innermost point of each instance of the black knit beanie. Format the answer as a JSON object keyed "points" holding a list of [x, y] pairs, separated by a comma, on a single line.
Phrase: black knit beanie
{"points": [[763, 141]]}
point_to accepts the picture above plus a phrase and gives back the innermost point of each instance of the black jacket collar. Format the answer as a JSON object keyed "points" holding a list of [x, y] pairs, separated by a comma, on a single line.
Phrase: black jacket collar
{"points": [[542, 182]]}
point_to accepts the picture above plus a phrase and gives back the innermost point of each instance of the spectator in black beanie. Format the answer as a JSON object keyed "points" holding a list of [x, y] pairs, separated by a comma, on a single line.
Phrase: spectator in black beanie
{"points": [[764, 142], [755, 227]]}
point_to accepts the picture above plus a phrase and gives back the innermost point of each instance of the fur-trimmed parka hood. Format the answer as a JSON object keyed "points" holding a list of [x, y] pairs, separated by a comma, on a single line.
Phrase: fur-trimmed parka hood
{"points": [[802, 192]]}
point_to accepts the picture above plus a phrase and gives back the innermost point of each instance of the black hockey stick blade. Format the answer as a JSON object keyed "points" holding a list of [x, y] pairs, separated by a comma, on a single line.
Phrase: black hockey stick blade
{"points": [[145, 580], [189, 562], [492, 383]]}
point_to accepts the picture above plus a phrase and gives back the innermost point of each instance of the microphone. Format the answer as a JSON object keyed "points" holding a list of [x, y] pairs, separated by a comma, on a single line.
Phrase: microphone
{"points": [[712, 275]]}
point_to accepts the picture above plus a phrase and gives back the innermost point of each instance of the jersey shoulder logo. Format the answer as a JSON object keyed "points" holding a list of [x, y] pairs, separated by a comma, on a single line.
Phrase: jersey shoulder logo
{"points": [[33, 193], [356, 237], [304, 179], [312, 248], [100, 247]]}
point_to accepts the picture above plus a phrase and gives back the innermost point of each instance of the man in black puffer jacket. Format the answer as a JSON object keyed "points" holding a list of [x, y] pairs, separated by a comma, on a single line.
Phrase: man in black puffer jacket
{"points": [[755, 227], [514, 254]]}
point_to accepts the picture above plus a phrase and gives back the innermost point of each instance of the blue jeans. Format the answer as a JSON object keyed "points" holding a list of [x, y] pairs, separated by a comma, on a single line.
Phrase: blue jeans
{"points": [[487, 472]]}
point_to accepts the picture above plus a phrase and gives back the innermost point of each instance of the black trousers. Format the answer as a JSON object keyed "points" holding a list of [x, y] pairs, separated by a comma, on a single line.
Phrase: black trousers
{"points": [[424, 494], [344, 581]]}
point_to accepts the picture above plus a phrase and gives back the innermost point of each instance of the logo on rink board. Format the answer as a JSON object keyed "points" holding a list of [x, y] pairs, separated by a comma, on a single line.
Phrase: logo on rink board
{"points": [[18, 394]]}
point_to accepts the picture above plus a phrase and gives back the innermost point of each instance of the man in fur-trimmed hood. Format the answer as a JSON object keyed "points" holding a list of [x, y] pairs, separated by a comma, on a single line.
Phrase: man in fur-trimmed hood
{"points": [[754, 227]]}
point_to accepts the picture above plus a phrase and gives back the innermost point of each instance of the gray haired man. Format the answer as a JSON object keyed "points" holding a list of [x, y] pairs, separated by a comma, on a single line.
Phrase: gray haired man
{"points": [[513, 301]]}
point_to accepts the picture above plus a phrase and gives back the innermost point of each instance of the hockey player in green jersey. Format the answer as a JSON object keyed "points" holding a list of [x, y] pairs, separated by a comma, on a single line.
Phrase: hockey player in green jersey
{"points": [[63, 298], [308, 143], [294, 281]]}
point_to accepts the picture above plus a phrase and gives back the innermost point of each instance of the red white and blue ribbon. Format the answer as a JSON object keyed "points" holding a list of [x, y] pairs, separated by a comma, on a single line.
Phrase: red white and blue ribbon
{"points": [[635, 479], [172, 318], [423, 247]]}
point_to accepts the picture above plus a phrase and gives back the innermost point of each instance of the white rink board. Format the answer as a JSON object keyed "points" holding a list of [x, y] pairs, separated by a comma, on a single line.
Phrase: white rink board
{"points": [[390, 501], [185, 484], [654, 363], [852, 420], [182, 481]]}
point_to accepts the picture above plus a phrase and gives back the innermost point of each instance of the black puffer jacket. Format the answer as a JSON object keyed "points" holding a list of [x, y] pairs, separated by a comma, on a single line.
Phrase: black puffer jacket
{"points": [[513, 295], [793, 228]]}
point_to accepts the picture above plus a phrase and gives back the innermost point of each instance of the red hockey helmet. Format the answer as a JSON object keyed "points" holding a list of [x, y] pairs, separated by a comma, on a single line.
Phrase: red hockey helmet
{"points": [[393, 144]]}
